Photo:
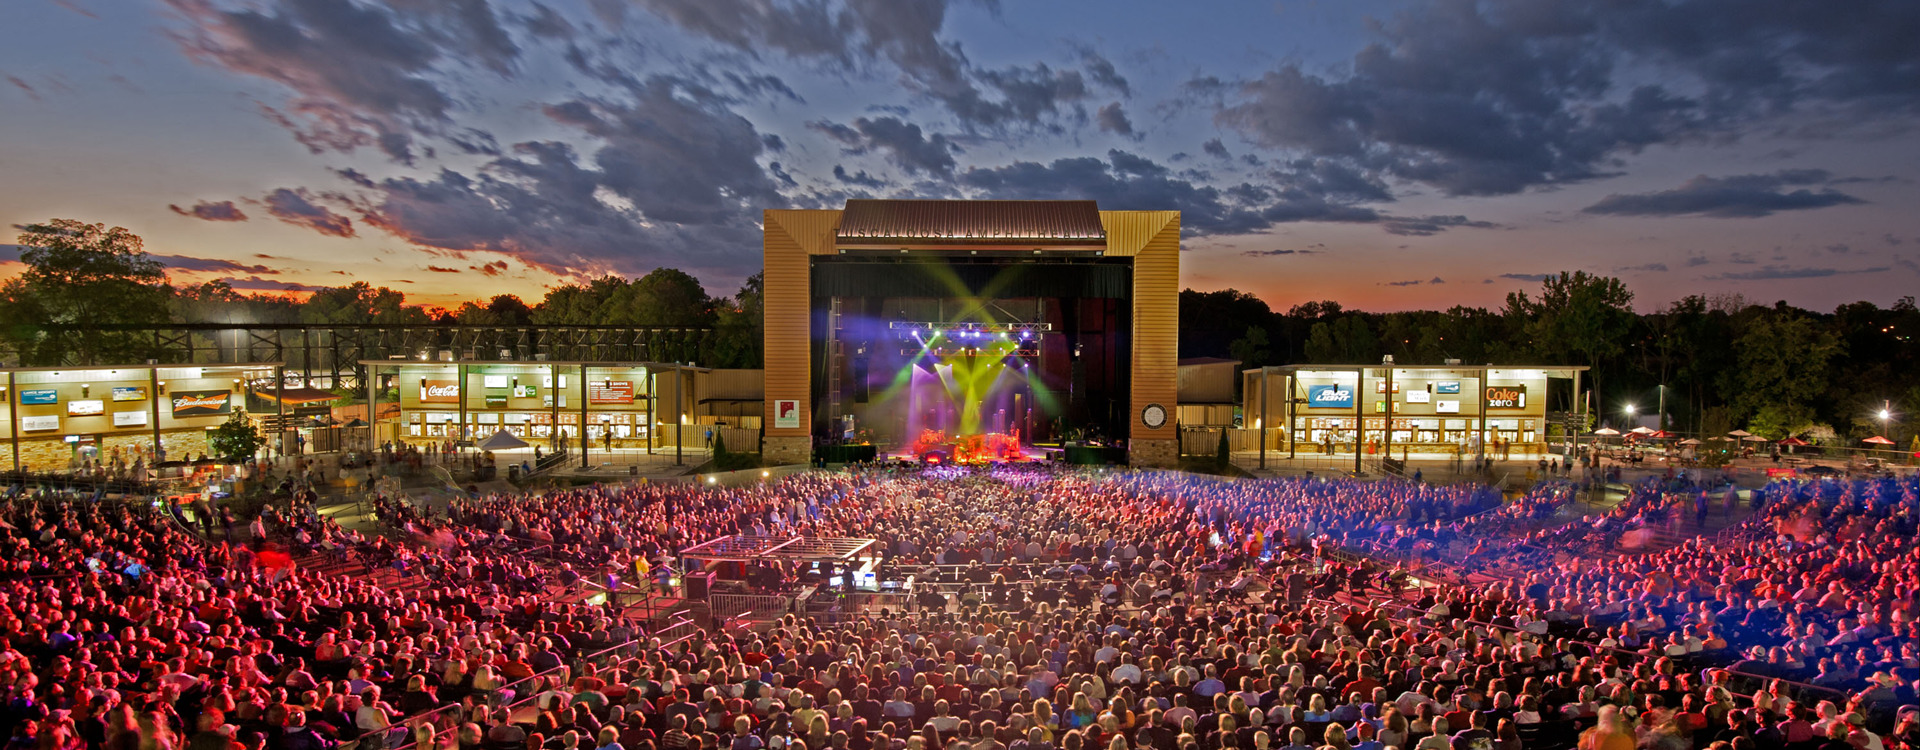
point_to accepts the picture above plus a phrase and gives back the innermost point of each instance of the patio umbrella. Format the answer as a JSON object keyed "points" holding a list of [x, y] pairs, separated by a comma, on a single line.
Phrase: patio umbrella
{"points": [[1642, 430], [1662, 434], [1793, 441], [1877, 440], [355, 422], [1754, 439], [1689, 441], [500, 441], [1719, 439], [1606, 431], [1740, 433]]}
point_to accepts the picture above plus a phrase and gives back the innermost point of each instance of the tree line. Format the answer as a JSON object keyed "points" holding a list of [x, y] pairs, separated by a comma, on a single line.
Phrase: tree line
{"points": [[82, 280], [1722, 361]]}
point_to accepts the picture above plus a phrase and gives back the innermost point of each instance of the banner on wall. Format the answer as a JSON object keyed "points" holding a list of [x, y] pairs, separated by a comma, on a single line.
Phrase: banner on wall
{"points": [[1329, 397], [40, 396], [1449, 387], [1419, 397], [1506, 397], [524, 391], [201, 403], [1446, 407], [786, 413], [86, 407], [439, 392], [129, 419], [130, 393], [494, 381], [37, 424], [610, 391]]}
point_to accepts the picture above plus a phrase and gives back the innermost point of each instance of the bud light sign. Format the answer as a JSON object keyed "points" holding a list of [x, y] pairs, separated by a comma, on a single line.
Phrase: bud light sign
{"points": [[1329, 397]]}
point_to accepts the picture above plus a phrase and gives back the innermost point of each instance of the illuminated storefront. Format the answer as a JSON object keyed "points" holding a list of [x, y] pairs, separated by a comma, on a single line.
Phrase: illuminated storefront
{"points": [[1391, 410], [57, 418], [584, 406]]}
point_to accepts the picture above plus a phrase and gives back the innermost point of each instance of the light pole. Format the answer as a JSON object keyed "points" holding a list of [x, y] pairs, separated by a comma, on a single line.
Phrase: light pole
{"points": [[1663, 407]]}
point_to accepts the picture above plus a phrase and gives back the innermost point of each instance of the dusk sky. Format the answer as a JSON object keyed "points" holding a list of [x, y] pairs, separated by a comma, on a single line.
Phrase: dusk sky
{"points": [[1388, 155]]}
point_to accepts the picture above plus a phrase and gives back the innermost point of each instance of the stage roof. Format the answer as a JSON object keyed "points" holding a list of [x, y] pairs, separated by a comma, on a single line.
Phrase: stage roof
{"points": [[892, 223], [740, 547]]}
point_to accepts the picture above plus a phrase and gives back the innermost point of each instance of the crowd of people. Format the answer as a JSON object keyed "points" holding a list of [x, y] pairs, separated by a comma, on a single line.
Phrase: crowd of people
{"points": [[1120, 611]]}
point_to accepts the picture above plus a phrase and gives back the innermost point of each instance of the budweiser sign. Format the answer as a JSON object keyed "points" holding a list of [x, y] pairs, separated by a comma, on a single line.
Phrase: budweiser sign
{"points": [[201, 403], [439, 391]]}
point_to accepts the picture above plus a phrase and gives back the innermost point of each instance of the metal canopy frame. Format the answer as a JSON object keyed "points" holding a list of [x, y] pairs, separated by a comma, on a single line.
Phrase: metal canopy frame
{"points": [[744, 548]]}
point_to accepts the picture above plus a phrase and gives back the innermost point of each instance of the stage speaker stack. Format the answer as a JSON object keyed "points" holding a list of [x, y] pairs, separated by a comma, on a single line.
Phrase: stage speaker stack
{"points": [[697, 585]]}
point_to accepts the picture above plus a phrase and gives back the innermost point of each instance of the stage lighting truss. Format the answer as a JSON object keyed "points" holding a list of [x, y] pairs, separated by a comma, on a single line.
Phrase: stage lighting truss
{"points": [[1020, 340]]}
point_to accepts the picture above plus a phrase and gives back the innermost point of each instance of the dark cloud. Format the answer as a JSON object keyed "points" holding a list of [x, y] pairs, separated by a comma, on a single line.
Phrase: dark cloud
{"points": [[1125, 181], [675, 151], [218, 265], [257, 284], [1840, 248], [1214, 148], [442, 269], [1101, 72], [1737, 196], [1644, 268], [1773, 272], [491, 269], [10, 253], [1891, 240], [297, 207], [1415, 282], [1535, 277], [1695, 261], [1426, 226], [858, 180], [24, 87], [1486, 98], [210, 211], [902, 142], [1275, 253], [359, 75], [1113, 119]]}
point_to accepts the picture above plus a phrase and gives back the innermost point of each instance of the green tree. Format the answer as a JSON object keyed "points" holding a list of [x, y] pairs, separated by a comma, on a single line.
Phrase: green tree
{"points": [[1250, 349], [85, 277], [502, 310], [236, 439], [362, 304], [1346, 340], [1784, 362], [666, 297], [1579, 318], [739, 327]]}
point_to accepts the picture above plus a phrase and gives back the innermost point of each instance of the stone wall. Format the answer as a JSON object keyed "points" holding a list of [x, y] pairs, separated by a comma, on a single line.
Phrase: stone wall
{"points": [[786, 450], [1157, 454]]}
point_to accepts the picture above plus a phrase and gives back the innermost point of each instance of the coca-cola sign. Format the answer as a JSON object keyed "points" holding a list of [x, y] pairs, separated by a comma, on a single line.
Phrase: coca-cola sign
{"points": [[201, 403], [1506, 397], [439, 391]]}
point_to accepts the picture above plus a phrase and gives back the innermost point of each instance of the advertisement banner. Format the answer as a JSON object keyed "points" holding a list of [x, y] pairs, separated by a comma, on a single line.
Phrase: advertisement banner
{"points": [[1380, 386], [439, 392], [1506, 397], [130, 393], [202, 403], [1446, 407], [1329, 397], [1419, 397], [36, 424], [494, 381], [786, 414], [524, 391], [610, 392], [1449, 387], [129, 419], [40, 396], [86, 408]]}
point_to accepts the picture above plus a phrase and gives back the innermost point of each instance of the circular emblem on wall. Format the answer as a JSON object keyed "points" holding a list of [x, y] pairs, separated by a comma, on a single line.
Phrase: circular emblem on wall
{"points": [[1154, 416]]}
